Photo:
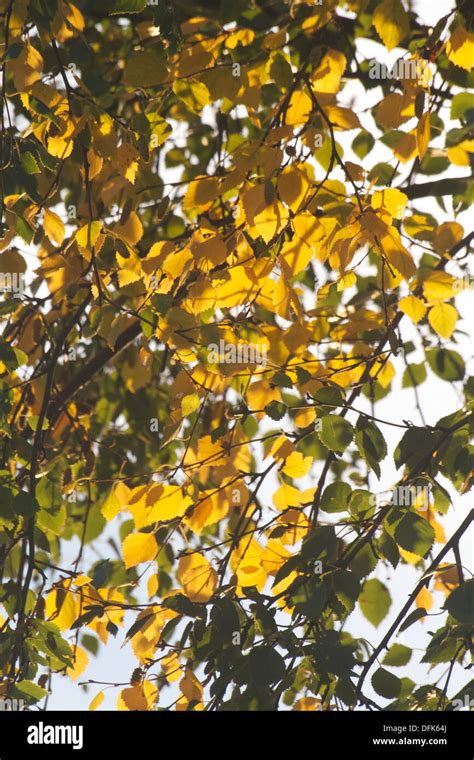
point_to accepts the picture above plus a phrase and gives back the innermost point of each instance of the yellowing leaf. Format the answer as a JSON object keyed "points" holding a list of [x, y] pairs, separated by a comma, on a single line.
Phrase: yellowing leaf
{"points": [[391, 22], [413, 307], [442, 318], [424, 599], [140, 697], [81, 661], [53, 226], [406, 148], [171, 667], [438, 286], [391, 199], [342, 118], [139, 547], [446, 236], [97, 701], [327, 76], [244, 36], [189, 404], [423, 135], [460, 48], [297, 465], [201, 193], [197, 576], [396, 253], [87, 236], [299, 108]]}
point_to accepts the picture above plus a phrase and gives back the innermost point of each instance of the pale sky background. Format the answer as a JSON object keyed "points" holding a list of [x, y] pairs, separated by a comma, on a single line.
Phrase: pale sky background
{"points": [[115, 664]]}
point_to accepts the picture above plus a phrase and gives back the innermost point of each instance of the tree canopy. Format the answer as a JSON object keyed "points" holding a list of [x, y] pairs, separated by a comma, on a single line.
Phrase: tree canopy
{"points": [[209, 284]]}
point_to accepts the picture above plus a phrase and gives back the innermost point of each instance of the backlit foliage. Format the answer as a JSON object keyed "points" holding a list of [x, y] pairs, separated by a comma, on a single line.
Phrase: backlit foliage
{"points": [[186, 175]]}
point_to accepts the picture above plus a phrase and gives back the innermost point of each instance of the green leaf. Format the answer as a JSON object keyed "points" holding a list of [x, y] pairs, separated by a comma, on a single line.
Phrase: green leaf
{"points": [[25, 504], [398, 655], [8, 356], [328, 398], [375, 601], [413, 446], [335, 498], [462, 106], [363, 144], [336, 433], [6, 505], [415, 374], [29, 691], [448, 365], [386, 684], [23, 229], [266, 666], [114, 7], [320, 542], [413, 617], [460, 603], [276, 410], [389, 549], [415, 534], [371, 443], [29, 163], [33, 422]]}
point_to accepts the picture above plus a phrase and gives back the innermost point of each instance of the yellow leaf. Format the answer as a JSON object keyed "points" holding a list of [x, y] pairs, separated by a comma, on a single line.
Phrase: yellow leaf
{"points": [[140, 697], [438, 286], [246, 563], [297, 465], [299, 108], [423, 135], [342, 118], [396, 253], [460, 48], [197, 576], [81, 661], [392, 110], [53, 226], [171, 667], [244, 36], [346, 281], [293, 186], [274, 556], [392, 200], [406, 148], [131, 231], [61, 607], [424, 599], [413, 307], [391, 22], [189, 404], [446, 236], [327, 76], [145, 68], [192, 692], [442, 318], [139, 547], [97, 701], [201, 193], [88, 235]]}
